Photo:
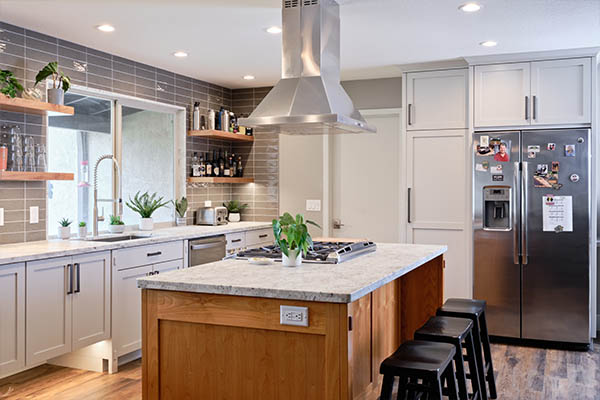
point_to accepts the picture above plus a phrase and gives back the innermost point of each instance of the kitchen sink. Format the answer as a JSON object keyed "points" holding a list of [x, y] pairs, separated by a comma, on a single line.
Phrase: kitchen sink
{"points": [[117, 238]]}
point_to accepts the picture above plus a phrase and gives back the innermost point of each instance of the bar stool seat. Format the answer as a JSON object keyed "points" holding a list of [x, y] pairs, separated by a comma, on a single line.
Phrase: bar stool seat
{"points": [[459, 333], [415, 360], [475, 311]]}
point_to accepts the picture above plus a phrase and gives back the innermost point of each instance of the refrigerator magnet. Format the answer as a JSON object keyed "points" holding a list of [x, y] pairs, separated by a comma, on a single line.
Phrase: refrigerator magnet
{"points": [[555, 166], [479, 167], [486, 165], [531, 154], [542, 169], [496, 169], [484, 151], [501, 152], [569, 150], [574, 178], [541, 182], [533, 147], [551, 146], [484, 141], [497, 178]]}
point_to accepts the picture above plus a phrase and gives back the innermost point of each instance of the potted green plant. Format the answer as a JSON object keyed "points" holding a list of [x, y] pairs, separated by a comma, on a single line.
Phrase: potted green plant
{"points": [[9, 85], [297, 240], [181, 207], [145, 205], [116, 224], [234, 208], [82, 229], [60, 82], [64, 228]]}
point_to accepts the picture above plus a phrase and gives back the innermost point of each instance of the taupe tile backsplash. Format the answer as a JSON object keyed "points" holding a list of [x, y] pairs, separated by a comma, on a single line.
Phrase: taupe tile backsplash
{"points": [[25, 52]]}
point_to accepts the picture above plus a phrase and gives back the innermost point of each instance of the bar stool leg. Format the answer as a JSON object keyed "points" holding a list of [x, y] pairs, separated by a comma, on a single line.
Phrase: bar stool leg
{"points": [[387, 387], [487, 352], [479, 359], [461, 376], [473, 371], [435, 389], [451, 383]]}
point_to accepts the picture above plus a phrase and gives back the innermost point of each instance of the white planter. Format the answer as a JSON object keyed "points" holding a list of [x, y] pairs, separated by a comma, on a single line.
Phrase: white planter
{"points": [[116, 228], [56, 96], [82, 231], [181, 221], [294, 260], [146, 224], [234, 217], [64, 232]]}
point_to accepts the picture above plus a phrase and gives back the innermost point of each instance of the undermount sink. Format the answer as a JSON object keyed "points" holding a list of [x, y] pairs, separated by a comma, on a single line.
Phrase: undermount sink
{"points": [[117, 238]]}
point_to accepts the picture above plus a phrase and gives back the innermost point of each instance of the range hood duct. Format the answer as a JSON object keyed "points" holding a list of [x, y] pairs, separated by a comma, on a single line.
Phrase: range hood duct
{"points": [[309, 99]]}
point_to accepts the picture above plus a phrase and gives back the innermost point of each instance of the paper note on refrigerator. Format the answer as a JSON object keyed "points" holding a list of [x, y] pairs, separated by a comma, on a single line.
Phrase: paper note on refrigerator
{"points": [[557, 213]]}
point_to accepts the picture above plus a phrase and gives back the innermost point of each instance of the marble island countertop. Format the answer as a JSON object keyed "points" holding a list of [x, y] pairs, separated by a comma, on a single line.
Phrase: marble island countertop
{"points": [[29, 251], [336, 283]]}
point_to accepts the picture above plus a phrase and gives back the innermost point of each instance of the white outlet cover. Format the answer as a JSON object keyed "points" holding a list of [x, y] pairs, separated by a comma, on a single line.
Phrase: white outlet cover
{"points": [[292, 315], [207, 203], [1, 216], [34, 214], [313, 205]]}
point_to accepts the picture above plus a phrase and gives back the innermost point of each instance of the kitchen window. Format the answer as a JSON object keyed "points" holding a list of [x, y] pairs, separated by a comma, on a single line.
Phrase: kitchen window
{"points": [[142, 136]]}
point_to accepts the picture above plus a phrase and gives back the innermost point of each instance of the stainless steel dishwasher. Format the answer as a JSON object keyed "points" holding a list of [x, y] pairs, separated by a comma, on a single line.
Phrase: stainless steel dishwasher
{"points": [[206, 250]]}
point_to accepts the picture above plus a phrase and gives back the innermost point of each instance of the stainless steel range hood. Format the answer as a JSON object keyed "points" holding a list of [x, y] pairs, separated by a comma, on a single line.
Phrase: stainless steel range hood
{"points": [[309, 98]]}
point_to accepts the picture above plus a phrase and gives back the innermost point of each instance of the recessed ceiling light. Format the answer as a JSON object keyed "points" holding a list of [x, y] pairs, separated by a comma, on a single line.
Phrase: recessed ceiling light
{"points": [[180, 54], [470, 7], [488, 43], [105, 28], [274, 30], [249, 77]]}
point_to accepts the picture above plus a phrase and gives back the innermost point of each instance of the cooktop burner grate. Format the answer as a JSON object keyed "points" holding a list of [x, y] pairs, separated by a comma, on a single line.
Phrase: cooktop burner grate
{"points": [[322, 252]]}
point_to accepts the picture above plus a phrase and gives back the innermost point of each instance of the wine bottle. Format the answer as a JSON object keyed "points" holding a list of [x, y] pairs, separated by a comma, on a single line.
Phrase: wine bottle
{"points": [[240, 168], [209, 170], [232, 165], [226, 166], [195, 165], [216, 164], [221, 162], [202, 166]]}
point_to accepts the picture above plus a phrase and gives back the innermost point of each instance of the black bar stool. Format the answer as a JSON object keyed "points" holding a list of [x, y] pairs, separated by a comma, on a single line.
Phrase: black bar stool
{"points": [[475, 311], [458, 332], [429, 362]]}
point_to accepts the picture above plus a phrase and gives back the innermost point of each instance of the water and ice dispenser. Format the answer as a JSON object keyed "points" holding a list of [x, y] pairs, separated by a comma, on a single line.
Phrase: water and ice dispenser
{"points": [[497, 208]]}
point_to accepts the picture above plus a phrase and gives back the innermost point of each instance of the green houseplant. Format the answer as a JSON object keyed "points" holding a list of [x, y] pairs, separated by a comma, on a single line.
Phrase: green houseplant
{"points": [[82, 229], [64, 228], [297, 240], [9, 85], [234, 208], [116, 224], [60, 82], [181, 207], [145, 205]]}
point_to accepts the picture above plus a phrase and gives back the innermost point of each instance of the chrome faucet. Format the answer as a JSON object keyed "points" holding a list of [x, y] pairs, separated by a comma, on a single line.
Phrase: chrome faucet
{"points": [[119, 200]]}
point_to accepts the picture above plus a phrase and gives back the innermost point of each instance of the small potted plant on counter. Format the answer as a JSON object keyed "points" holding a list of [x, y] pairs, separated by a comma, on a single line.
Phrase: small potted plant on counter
{"points": [[64, 228], [116, 224], [234, 208], [9, 85], [82, 229], [181, 207], [145, 205], [297, 241], [60, 82]]}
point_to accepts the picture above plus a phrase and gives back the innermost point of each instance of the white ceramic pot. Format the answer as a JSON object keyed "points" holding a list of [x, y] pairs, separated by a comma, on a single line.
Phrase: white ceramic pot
{"points": [[234, 217], [82, 231], [56, 96], [294, 260], [64, 232], [116, 228], [146, 224], [181, 221]]}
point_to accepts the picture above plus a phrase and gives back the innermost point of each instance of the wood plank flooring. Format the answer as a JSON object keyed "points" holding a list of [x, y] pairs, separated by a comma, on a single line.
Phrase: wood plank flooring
{"points": [[523, 373]]}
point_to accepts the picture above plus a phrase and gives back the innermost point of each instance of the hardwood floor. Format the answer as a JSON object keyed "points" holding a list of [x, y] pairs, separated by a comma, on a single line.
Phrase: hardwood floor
{"points": [[523, 373]]}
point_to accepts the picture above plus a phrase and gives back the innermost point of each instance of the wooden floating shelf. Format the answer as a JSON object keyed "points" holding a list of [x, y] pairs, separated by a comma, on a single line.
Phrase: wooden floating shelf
{"points": [[222, 135], [212, 179], [35, 176], [34, 107]]}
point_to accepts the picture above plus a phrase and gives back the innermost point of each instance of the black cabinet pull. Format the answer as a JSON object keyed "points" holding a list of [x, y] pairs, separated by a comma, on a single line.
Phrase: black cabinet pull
{"points": [[70, 277], [262, 236], [236, 240], [78, 273], [156, 253]]}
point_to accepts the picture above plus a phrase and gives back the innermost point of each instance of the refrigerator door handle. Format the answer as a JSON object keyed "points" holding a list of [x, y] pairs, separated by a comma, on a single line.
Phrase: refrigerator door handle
{"points": [[524, 190], [515, 215]]}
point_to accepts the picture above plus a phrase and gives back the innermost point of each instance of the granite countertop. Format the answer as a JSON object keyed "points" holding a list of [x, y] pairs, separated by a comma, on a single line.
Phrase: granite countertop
{"points": [[335, 283], [29, 251]]}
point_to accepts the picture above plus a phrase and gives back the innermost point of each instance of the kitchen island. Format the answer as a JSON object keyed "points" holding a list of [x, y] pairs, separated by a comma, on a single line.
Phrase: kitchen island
{"points": [[215, 331]]}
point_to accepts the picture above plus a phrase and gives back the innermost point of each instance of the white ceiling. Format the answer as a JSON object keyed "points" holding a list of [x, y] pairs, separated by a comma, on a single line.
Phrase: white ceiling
{"points": [[226, 40]]}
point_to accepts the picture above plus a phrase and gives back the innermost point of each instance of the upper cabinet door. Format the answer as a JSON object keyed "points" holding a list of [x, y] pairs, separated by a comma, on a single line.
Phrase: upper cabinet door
{"points": [[91, 299], [437, 100], [561, 91], [502, 95]]}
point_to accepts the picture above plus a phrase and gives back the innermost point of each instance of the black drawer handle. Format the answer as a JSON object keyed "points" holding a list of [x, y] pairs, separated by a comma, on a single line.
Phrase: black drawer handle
{"points": [[262, 236], [236, 240], [156, 253]]}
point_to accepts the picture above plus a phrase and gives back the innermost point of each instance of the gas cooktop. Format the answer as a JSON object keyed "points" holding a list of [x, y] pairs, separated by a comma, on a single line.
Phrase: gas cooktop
{"points": [[322, 252]]}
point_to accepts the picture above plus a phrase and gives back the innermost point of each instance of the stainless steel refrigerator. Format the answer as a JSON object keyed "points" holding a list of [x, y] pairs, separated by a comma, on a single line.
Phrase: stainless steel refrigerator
{"points": [[531, 222]]}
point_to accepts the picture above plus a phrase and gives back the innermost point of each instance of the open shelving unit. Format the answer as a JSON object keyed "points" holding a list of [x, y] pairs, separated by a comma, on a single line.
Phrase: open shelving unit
{"points": [[222, 135], [33, 107], [212, 179], [35, 176]]}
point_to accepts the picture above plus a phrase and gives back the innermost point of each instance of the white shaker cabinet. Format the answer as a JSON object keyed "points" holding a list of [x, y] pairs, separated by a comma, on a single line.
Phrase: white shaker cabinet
{"points": [[502, 95], [436, 100], [12, 318], [561, 91], [49, 312]]}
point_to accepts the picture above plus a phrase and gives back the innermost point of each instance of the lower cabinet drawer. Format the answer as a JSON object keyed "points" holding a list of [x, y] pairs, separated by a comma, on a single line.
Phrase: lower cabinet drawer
{"points": [[259, 236], [149, 254], [236, 240]]}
